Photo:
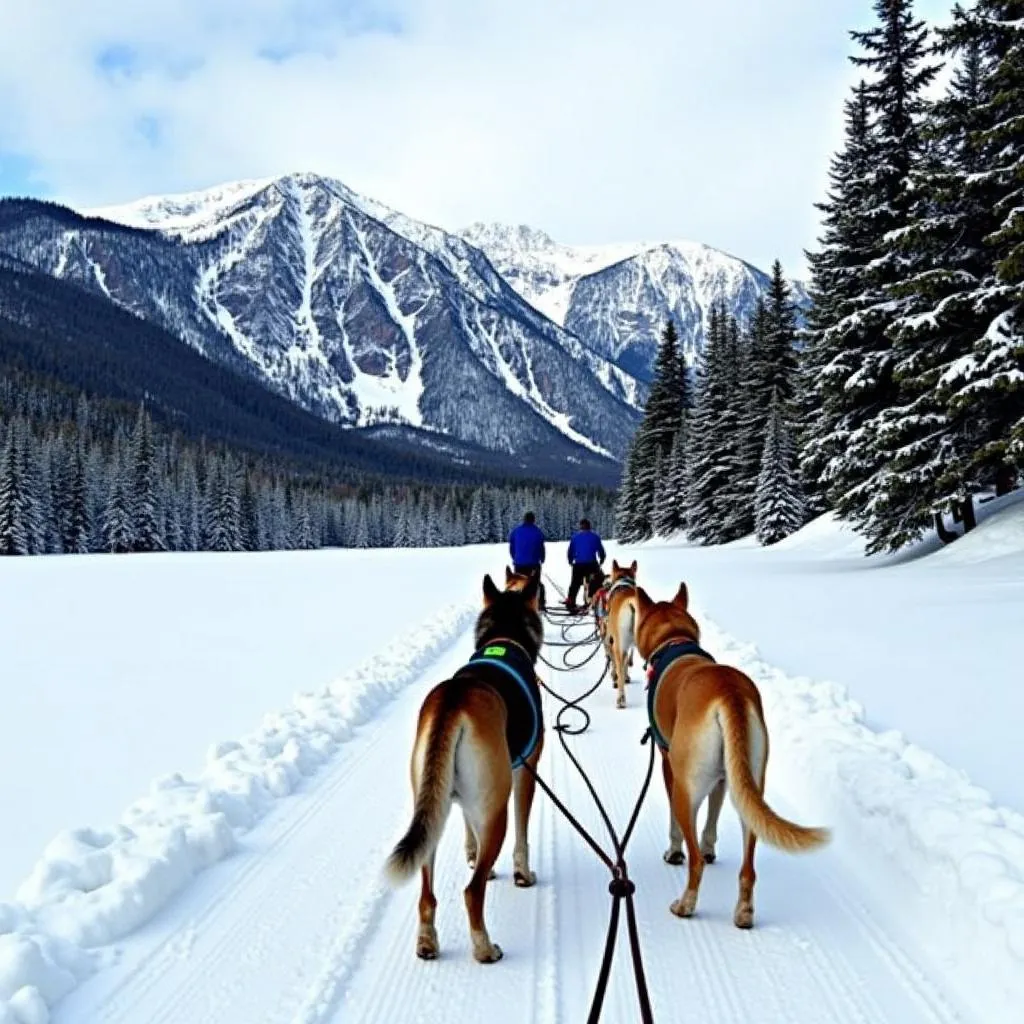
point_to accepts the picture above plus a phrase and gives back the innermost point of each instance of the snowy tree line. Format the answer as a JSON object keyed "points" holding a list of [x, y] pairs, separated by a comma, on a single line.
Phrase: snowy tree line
{"points": [[107, 480], [903, 396]]}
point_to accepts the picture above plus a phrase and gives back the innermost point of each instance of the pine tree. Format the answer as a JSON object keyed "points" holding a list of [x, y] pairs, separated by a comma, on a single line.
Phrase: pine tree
{"points": [[855, 354], [838, 270], [401, 538], [14, 537], [476, 529], [664, 404], [670, 514], [896, 52], [118, 533], [985, 389], [146, 526], [362, 536], [919, 445], [714, 434], [779, 504], [77, 518]]}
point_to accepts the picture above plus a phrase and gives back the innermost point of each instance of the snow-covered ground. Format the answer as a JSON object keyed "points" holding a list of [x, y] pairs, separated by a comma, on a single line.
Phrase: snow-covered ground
{"points": [[247, 888]]}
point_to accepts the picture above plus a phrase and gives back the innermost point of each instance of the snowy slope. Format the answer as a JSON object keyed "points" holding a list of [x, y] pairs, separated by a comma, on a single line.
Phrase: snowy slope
{"points": [[355, 312], [247, 888], [617, 297]]}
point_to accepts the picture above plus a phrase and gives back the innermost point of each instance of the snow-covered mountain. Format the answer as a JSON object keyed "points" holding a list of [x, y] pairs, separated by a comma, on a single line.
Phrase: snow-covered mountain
{"points": [[354, 311], [616, 298]]}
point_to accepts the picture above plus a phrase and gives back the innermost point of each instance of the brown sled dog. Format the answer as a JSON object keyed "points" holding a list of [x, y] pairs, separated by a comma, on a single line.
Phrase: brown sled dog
{"points": [[462, 752], [709, 716], [618, 631]]}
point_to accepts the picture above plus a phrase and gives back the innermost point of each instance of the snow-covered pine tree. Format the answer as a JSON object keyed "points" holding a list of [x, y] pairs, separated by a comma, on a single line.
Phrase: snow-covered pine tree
{"points": [[224, 499], [118, 519], [625, 508], [921, 445], [860, 378], [77, 515], [779, 507], [35, 488], [986, 387], [664, 404], [146, 524], [477, 527], [670, 514], [362, 535], [714, 433], [189, 506], [837, 274], [14, 538]]}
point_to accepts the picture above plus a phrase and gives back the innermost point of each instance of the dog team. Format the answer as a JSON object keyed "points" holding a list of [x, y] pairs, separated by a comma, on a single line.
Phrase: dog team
{"points": [[480, 735]]}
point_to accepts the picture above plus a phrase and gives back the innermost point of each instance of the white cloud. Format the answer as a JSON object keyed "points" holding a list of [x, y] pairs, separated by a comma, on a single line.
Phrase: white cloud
{"points": [[596, 121]]}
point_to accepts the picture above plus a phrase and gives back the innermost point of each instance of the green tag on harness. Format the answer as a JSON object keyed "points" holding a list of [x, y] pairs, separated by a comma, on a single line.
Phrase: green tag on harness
{"points": [[494, 652]]}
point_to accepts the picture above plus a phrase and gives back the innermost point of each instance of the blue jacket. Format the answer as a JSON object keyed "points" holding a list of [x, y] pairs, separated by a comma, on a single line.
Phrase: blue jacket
{"points": [[585, 546], [526, 544]]}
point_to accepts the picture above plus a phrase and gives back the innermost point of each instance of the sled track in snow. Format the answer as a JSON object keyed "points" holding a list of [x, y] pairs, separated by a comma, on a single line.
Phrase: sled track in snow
{"points": [[297, 928]]}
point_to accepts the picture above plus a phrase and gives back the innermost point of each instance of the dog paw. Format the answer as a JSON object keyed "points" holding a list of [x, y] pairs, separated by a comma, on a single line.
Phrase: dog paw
{"points": [[487, 954], [709, 856], [675, 857], [426, 946], [685, 907], [524, 879], [620, 702], [744, 916]]}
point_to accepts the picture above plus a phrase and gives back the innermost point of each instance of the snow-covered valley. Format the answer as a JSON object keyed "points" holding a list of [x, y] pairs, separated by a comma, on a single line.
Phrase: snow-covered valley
{"points": [[243, 885]]}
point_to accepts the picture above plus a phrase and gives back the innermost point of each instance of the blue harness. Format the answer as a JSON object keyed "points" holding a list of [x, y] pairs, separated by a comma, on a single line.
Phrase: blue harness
{"points": [[656, 668], [515, 679]]}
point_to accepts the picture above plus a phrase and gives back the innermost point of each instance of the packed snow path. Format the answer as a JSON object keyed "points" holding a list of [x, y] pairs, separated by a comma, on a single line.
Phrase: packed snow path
{"points": [[297, 926]]}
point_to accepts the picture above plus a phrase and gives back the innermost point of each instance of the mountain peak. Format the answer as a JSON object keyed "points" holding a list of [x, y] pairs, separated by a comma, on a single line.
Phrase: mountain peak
{"points": [[515, 236]]}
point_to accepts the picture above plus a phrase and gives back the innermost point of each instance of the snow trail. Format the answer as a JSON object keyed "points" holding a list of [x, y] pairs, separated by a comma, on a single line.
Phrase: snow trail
{"points": [[298, 927]]}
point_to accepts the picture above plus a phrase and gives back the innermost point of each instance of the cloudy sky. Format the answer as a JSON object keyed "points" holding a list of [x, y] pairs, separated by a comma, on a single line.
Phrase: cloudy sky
{"points": [[594, 120]]}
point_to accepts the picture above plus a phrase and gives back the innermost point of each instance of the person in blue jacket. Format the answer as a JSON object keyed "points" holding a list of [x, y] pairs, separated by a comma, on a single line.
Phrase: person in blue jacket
{"points": [[526, 546], [586, 553]]}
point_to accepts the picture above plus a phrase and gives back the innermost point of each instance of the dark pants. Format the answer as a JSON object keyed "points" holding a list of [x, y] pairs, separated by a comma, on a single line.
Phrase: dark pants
{"points": [[581, 572], [531, 570]]}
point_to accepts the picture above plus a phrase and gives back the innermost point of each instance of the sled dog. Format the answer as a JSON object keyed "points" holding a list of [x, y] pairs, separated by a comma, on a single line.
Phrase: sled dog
{"points": [[515, 580], [618, 626], [475, 732], [708, 721]]}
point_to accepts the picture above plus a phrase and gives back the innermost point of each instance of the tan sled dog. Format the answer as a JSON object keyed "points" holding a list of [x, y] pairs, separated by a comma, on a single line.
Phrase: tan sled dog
{"points": [[474, 733], [618, 627], [707, 719], [515, 580]]}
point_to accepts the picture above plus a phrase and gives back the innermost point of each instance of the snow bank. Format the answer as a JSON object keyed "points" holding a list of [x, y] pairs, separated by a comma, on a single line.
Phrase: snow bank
{"points": [[942, 856], [93, 886]]}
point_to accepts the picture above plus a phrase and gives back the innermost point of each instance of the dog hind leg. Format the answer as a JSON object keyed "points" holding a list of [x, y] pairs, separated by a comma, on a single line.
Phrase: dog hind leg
{"points": [[492, 835], [710, 834], [523, 787], [674, 854], [426, 938]]}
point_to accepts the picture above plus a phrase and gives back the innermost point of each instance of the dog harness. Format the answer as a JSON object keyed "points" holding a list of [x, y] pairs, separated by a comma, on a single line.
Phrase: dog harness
{"points": [[509, 670], [657, 666]]}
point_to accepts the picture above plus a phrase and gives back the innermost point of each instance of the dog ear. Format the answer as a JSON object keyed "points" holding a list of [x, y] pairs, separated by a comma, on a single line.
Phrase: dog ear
{"points": [[615, 565], [632, 568], [643, 601], [491, 592], [508, 574], [682, 598], [532, 591]]}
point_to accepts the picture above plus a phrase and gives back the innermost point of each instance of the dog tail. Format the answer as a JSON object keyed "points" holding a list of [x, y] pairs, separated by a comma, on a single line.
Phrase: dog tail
{"points": [[734, 721], [433, 800]]}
